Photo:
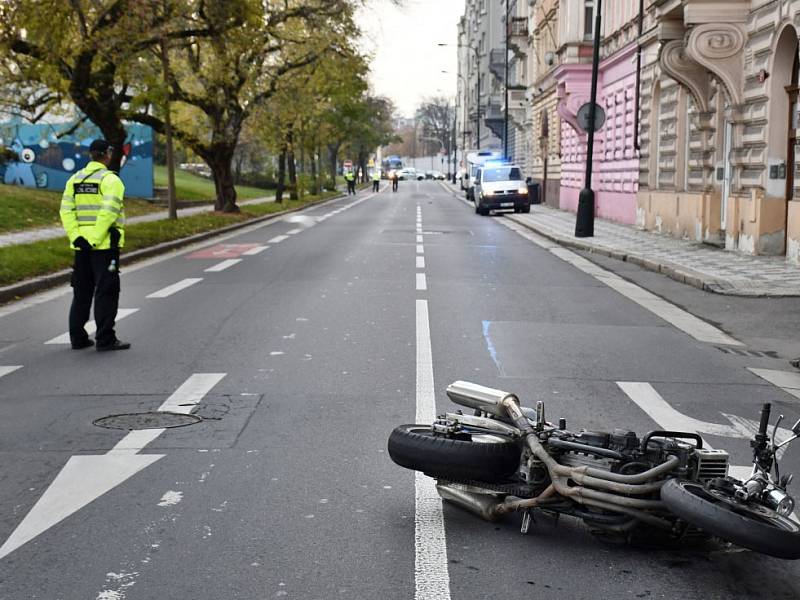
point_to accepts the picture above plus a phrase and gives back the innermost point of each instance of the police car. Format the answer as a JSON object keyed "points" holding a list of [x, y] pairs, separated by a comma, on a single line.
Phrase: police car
{"points": [[499, 186]]}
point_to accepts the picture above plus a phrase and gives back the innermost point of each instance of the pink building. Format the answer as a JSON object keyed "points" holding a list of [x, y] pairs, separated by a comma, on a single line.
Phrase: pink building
{"points": [[615, 177]]}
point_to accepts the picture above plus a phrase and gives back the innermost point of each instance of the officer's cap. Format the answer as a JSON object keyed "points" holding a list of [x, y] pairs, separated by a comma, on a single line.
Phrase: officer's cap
{"points": [[99, 146]]}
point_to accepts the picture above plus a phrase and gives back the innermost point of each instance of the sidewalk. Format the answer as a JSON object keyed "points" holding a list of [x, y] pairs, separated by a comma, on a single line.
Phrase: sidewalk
{"points": [[49, 233], [697, 264]]}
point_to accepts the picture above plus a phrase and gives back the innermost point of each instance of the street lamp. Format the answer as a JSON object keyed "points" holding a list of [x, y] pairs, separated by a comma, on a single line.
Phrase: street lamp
{"points": [[477, 88], [463, 131], [584, 223]]}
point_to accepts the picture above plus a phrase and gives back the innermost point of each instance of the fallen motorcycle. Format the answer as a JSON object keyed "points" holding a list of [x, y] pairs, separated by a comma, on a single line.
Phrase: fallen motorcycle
{"points": [[506, 458]]}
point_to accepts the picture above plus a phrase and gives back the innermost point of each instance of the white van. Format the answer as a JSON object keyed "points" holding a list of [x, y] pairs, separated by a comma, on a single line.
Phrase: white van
{"points": [[474, 161]]}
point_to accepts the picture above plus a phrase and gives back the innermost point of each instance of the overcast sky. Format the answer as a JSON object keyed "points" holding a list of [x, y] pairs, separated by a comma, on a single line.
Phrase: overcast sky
{"points": [[407, 65]]}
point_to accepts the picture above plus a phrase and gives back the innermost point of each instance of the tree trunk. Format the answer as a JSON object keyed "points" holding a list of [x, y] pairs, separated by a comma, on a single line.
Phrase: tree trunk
{"points": [[220, 161], [281, 175], [314, 189], [291, 165], [333, 154]]}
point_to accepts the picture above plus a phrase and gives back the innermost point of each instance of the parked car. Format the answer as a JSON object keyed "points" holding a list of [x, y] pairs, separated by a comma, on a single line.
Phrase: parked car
{"points": [[500, 187], [406, 173]]}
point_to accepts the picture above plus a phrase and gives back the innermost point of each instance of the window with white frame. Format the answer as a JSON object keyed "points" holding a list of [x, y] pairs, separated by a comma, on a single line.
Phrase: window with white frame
{"points": [[588, 19]]}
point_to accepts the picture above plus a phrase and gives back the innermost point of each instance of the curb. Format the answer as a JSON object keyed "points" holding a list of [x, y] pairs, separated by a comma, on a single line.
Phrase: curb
{"points": [[679, 273], [43, 282]]}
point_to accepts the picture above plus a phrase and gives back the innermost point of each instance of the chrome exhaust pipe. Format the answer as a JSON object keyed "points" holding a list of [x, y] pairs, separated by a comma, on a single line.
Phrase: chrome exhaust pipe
{"points": [[483, 505], [476, 396]]}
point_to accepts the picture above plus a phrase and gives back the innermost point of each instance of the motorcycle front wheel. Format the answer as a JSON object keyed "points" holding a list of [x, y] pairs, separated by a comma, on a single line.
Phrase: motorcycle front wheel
{"points": [[748, 525], [483, 457]]}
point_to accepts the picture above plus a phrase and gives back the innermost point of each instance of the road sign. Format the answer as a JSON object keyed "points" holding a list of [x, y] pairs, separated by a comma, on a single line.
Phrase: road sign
{"points": [[583, 116]]}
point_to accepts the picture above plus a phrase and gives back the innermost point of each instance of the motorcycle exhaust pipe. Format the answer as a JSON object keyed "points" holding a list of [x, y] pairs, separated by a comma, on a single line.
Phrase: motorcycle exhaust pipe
{"points": [[483, 505], [472, 395]]}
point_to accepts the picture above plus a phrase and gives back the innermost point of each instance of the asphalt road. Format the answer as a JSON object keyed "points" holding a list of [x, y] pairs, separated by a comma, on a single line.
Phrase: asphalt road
{"points": [[300, 357]]}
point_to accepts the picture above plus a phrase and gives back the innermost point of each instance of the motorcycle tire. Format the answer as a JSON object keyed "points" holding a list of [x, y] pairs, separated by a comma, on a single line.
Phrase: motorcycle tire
{"points": [[755, 527], [485, 457]]}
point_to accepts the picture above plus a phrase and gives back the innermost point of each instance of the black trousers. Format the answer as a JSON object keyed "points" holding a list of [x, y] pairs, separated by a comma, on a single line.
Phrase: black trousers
{"points": [[351, 187], [91, 278], [376, 186], [394, 185]]}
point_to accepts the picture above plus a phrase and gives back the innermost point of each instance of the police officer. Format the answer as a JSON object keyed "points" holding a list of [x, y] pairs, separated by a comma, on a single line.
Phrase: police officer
{"points": [[350, 178], [93, 217], [376, 180]]}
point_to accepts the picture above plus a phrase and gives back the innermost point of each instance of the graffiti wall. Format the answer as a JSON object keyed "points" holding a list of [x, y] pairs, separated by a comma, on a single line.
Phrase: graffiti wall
{"points": [[47, 159]]}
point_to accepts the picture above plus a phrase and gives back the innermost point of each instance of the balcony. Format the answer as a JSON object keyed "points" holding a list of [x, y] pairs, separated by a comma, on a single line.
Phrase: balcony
{"points": [[497, 63]]}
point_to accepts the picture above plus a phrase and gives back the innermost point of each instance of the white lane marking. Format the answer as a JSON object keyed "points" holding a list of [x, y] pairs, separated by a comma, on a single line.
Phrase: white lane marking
{"points": [[422, 283], [419, 239], [9, 369], [91, 327], [143, 264], [420, 249], [87, 477], [254, 251], [170, 498], [186, 397], [788, 381], [223, 265], [175, 287], [431, 577], [420, 262], [686, 322], [277, 239], [294, 231]]}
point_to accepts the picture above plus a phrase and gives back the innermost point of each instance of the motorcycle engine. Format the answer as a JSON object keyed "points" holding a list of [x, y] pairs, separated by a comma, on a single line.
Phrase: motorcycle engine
{"points": [[619, 451]]}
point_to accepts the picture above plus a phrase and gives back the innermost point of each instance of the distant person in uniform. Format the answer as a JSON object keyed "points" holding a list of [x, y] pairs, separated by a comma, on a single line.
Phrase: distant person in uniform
{"points": [[94, 220], [376, 180], [350, 178]]}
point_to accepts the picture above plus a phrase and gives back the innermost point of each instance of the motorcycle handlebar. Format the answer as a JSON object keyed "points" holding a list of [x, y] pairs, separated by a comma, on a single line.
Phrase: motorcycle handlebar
{"points": [[762, 426]]}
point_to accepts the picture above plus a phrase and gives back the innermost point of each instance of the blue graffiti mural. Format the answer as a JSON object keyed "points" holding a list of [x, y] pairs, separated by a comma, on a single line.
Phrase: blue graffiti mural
{"points": [[47, 160]]}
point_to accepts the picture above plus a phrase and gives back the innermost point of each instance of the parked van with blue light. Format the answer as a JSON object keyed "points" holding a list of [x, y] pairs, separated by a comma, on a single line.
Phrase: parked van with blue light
{"points": [[474, 162]]}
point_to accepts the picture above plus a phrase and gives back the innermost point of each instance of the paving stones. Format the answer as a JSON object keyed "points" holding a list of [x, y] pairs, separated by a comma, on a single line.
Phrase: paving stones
{"points": [[700, 265]]}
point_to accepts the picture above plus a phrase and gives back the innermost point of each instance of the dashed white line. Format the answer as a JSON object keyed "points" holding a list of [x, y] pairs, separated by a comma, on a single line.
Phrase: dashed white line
{"points": [[184, 399], [294, 231], [420, 249], [91, 327], [254, 251], [431, 577], [420, 262], [9, 369], [419, 239], [422, 284], [175, 287], [277, 239], [223, 265]]}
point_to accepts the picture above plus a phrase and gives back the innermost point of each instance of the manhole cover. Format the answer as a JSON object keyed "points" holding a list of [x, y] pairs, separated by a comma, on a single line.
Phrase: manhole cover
{"points": [[147, 420]]}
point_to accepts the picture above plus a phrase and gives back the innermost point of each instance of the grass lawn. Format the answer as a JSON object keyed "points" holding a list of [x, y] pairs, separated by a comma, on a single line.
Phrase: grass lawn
{"points": [[193, 187], [27, 208], [24, 261]]}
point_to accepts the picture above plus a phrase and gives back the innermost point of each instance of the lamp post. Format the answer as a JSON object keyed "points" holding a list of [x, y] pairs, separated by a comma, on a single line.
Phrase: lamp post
{"points": [[584, 223], [463, 130], [505, 84], [477, 88]]}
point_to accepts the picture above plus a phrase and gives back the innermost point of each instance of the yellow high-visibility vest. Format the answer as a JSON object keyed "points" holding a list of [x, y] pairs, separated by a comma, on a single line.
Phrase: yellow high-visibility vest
{"points": [[92, 205]]}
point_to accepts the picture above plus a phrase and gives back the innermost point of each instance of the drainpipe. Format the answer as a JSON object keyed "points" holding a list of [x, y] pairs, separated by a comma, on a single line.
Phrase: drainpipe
{"points": [[638, 78]]}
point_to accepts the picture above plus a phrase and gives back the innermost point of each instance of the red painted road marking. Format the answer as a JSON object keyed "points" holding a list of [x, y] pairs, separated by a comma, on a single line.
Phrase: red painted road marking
{"points": [[223, 251]]}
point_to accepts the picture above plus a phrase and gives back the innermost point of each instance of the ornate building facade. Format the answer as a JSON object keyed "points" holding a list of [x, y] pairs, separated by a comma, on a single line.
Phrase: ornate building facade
{"points": [[720, 116]]}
